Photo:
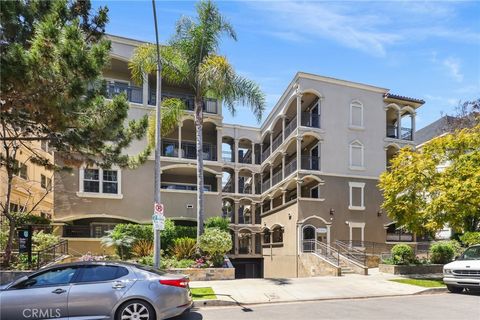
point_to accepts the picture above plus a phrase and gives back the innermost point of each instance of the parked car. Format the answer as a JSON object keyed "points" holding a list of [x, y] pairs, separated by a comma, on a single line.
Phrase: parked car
{"points": [[464, 272], [96, 290]]}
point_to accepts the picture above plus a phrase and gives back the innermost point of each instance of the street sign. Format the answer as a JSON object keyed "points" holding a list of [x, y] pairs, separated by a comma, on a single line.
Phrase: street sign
{"points": [[158, 208], [158, 221]]}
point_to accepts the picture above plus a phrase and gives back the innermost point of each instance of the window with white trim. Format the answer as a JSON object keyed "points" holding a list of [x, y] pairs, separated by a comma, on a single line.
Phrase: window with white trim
{"points": [[356, 114], [357, 195], [100, 181], [356, 155]]}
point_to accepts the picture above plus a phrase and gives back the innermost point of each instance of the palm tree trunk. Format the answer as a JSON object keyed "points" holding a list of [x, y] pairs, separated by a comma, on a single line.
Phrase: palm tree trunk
{"points": [[199, 131]]}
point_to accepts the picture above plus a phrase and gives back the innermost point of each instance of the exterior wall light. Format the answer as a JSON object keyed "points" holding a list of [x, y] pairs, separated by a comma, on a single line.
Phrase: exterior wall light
{"points": [[332, 211], [379, 213]]}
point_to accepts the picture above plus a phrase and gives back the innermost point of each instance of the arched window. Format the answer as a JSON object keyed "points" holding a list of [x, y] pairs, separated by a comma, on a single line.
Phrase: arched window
{"points": [[356, 114], [266, 236], [277, 235], [356, 155]]}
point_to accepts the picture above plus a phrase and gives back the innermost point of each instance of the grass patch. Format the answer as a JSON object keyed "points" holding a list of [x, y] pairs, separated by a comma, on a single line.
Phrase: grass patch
{"points": [[203, 293], [427, 283]]}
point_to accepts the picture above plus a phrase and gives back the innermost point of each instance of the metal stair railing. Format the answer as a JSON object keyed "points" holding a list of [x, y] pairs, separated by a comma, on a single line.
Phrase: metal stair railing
{"points": [[351, 253], [51, 254], [322, 249]]}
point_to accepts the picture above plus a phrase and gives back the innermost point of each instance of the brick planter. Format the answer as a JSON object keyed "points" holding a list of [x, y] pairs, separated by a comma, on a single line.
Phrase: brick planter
{"points": [[206, 274], [411, 269]]}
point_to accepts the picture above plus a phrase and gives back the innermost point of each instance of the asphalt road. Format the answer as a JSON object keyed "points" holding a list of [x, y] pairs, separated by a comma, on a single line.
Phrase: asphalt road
{"points": [[422, 307]]}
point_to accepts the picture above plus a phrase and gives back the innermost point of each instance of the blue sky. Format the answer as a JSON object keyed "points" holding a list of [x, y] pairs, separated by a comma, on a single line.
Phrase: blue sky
{"points": [[422, 49]]}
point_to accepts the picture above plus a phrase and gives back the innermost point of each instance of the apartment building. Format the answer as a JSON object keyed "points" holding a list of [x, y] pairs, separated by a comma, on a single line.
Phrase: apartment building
{"points": [[32, 187], [308, 174]]}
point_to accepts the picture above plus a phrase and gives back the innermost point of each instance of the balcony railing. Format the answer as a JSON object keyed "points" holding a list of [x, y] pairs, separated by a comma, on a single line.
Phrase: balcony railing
{"points": [[310, 163], [245, 189], [209, 105], [400, 237], [405, 134], [277, 142], [290, 167], [277, 177], [189, 150], [290, 127], [134, 94], [245, 158], [310, 120], [265, 185], [227, 156], [265, 154], [76, 231]]}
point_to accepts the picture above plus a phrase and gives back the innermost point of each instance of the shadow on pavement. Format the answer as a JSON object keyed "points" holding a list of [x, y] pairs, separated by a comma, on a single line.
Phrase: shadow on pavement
{"points": [[279, 281], [192, 315]]}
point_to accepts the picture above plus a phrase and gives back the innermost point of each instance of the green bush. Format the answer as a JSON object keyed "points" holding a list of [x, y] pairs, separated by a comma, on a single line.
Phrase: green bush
{"points": [[42, 240], [136, 231], [185, 232], [217, 222], [402, 254], [470, 238], [441, 252], [216, 243], [122, 243], [456, 246], [184, 248]]}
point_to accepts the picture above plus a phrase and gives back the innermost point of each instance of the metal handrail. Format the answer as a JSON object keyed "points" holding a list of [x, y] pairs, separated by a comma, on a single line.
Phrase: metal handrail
{"points": [[322, 249], [351, 252], [277, 142], [290, 167], [51, 253], [292, 125]]}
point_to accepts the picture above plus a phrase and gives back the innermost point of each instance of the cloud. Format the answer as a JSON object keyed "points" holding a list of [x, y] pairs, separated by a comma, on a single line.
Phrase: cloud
{"points": [[453, 67]]}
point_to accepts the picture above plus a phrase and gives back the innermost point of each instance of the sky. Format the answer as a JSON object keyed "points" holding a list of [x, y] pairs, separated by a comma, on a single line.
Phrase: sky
{"points": [[422, 49]]}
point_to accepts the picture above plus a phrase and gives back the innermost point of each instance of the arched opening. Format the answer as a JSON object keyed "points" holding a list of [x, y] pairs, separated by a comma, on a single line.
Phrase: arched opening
{"points": [[228, 208], [185, 178], [277, 137], [308, 238], [91, 227], [310, 110], [228, 153], [407, 125], [310, 149], [311, 187], [391, 152], [246, 214], [228, 180], [245, 151], [244, 241], [277, 234], [245, 181], [266, 150]]}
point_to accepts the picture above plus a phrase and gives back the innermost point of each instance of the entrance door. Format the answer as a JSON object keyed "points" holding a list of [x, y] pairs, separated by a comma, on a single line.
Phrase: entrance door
{"points": [[308, 239]]}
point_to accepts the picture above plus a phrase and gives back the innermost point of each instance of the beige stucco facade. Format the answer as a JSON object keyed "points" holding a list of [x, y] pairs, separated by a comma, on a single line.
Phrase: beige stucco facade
{"points": [[313, 163]]}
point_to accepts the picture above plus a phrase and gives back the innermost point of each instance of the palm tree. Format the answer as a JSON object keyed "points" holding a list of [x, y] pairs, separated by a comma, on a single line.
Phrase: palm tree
{"points": [[191, 60]]}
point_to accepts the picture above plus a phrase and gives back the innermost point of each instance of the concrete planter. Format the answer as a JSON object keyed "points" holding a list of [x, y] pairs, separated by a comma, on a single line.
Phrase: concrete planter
{"points": [[411, 269], [10, 275], [205, 274]]}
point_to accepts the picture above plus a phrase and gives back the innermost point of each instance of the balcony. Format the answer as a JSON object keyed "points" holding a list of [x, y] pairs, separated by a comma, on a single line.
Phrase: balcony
{"points": [[134, 94], [245, 158], [265, 154], [310, 163], [189, 150], [209, 105], [245, 189], [265, 185], [277, 142], [291, 167], [277, 177], [290, 127], [311, 120], [405, 133]]}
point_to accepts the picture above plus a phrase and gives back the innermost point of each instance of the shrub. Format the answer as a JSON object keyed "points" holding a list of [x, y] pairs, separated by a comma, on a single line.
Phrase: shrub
{"points": [[402, 254], [42, 240], [216, 243], [217, 222], [470, 238], [136, 231], [120, 241], [142, 248], [185, 232], [456, 246], [441, 252], [184, 248]]}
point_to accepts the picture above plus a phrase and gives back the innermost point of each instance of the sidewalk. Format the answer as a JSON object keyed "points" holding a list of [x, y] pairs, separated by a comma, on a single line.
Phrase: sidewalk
{"points": [[251, 291]]}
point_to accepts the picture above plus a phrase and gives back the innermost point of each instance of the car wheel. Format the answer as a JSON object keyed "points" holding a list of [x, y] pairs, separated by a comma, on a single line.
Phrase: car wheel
{"points": [[454, 289], [136, 310]]}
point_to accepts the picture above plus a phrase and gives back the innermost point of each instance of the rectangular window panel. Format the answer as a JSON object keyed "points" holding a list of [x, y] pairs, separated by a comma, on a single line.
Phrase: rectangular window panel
{"points": [[356, 197], [357, 116], [110, 181], [356, 156], [91, 182], [91, 186], [90, 174], [43, 181]]}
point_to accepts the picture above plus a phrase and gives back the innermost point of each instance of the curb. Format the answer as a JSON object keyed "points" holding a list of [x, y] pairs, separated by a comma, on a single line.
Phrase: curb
{"points": [[213, 303], [432, 290]]}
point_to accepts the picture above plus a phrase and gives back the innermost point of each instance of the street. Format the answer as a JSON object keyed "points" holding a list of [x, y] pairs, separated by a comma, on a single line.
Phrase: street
{"points": [[431, 306]]}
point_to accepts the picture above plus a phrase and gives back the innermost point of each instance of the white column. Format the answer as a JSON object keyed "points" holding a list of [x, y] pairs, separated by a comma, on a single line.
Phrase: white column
{"points": [[180, 125], [253, 183], [284, 196], [283, 164], [236, 242], [219, 144], [299, 152], [252, 213], [219, 183], [299, 109], [328, 234], [236, 180], [271, 174], [399, 124], [414, 115], [253, 152], [145, 88], [283, 127], [299, 189], [235, 150], [261, 153], [271, 141], [236, 207]]}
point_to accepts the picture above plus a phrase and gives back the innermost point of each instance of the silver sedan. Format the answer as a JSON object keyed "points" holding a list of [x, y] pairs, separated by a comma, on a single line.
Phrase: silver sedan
{"points": [[96, 290]]}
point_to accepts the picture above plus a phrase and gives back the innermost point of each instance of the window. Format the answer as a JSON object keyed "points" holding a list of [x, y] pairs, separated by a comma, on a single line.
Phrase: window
{"points": [[100, 229], [45, 183], [102, 273], [356, 114], [20, 169], [356, 196], [16, 208], [277, 235], [266, 236], [104, 182], [356, 155], [50, 278], [188, 187], [315, 192]]}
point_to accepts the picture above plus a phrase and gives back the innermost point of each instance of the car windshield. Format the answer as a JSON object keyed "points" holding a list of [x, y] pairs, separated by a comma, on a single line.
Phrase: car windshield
{"points": [[472, 253]]}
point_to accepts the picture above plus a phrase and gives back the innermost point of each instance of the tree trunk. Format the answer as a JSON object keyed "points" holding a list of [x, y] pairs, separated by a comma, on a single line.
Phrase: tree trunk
{"points": [[200, 193]]}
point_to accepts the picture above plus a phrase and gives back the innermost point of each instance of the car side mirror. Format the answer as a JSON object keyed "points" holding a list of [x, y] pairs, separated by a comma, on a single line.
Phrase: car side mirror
{"points": [[17, 281]]}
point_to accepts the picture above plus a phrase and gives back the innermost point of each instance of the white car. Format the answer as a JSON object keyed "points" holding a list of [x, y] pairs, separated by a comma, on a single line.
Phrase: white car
{"points": [[464, 272]]}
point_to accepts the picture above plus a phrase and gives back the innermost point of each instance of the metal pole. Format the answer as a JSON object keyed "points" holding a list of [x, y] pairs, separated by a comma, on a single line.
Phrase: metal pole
{"points": [[158, 136]]}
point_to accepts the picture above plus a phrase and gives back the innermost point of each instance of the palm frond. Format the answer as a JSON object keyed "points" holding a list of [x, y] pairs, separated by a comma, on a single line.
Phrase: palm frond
{"points": [[173, 109]]}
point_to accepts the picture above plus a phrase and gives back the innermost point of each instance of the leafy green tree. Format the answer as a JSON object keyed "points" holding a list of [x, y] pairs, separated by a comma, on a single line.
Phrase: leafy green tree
{"points": [[436, 185], [191, 60], [216, 243], [52, 57], [217, 222]]}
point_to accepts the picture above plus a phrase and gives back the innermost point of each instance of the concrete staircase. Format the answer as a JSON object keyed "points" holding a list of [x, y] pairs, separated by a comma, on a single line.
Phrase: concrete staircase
{"points": [[345, 268]]}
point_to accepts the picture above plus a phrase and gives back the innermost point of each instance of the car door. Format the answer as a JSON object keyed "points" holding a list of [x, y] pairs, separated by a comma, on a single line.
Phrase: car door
{"points": [[97, 289], [42, 296]]}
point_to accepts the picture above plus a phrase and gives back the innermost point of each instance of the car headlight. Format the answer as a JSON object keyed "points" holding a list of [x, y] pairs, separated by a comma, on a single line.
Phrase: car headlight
{"points": [[447, 271]]}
